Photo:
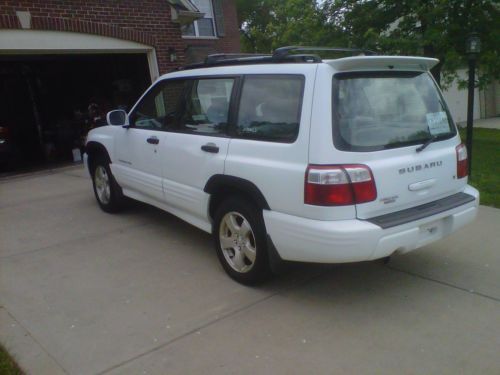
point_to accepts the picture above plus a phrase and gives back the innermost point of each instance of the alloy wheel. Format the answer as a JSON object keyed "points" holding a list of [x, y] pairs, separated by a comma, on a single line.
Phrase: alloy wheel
{"points": [[102, 184], [237, 242]]}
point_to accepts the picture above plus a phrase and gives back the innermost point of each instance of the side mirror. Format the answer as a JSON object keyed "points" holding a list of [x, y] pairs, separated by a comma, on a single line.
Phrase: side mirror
{"points": [[117, 117]]}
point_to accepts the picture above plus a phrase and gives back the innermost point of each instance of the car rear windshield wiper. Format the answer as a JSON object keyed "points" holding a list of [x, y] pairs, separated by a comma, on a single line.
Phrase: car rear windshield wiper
{"points": [[427, 143]]}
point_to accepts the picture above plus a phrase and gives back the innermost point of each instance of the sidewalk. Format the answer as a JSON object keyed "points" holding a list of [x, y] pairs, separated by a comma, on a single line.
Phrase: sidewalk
{"points": [[488, 123]]}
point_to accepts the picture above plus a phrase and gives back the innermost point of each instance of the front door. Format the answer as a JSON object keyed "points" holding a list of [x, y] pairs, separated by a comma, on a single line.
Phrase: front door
{"points": [[137, 167], [138, 159]]}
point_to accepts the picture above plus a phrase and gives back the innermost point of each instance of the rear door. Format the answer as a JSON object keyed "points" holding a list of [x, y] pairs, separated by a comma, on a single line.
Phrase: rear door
{"points": [[383, 120], [406, 179], [377, 111]]}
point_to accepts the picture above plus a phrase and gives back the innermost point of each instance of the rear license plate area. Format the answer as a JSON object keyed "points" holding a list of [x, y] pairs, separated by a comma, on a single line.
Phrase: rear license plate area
{"points": [[430, 230]]}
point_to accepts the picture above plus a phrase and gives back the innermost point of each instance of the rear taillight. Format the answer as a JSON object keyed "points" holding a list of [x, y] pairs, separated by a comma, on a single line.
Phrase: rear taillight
{"points": [[339, 185], [462, 167]]}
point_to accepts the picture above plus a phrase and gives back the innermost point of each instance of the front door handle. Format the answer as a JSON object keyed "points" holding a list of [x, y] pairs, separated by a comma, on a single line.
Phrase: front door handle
{"points": [[210, 147], [153, 140]]}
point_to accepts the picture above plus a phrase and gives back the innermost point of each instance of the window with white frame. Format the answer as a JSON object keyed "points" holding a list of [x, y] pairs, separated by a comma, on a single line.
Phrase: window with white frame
{"points": [[203, 27]]}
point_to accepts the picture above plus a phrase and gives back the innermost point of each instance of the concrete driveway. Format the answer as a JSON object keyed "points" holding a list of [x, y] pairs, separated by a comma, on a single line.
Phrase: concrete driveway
{"points": [[84, 292]]}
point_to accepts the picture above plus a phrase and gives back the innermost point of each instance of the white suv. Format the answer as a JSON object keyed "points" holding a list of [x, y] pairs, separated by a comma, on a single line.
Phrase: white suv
{"points": [[290, 157]]}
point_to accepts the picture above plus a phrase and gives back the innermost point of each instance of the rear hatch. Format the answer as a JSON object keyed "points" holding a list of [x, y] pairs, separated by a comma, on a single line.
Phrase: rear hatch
{"points": [[397, 124]]}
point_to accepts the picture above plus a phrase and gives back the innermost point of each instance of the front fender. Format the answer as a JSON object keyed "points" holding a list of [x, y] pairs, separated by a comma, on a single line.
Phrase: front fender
{"points": [[103, 136]]}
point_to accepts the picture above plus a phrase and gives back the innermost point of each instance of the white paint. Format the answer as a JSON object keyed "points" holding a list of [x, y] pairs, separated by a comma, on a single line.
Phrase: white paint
{"points": [[340, 241], [384, 164], [172, 174], [457, 100], [29, 41], [153, 65], [24, 19], [357, 63], [33, 42]]}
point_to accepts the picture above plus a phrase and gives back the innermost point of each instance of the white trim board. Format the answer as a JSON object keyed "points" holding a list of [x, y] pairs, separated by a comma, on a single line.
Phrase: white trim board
{"points": [[37, 42]]}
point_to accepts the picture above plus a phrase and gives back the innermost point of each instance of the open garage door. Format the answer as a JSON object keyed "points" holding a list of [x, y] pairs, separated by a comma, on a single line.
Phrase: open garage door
{"points": [[50, 102], [52, 96]]}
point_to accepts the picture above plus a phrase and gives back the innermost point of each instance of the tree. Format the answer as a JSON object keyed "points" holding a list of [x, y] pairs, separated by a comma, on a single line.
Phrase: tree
{"points": [[269, 24], [433, 28]]}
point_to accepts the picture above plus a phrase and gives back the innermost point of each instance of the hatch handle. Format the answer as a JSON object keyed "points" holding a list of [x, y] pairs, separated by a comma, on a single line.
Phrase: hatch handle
{"points": [[421, 185]]}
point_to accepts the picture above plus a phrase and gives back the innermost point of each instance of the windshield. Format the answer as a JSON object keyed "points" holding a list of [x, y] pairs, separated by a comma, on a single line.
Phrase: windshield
{"points": [[380, 110]]}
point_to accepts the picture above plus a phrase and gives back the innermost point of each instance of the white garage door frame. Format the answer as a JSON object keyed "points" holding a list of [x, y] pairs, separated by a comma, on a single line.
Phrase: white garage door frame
{"points": [[40, 42]]}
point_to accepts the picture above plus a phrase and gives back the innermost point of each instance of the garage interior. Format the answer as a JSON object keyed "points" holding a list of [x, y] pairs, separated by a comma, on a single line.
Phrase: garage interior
{"points": [[49, 102]]}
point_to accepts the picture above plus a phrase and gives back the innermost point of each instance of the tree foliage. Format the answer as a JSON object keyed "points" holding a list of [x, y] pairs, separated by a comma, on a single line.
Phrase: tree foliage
{"points": [[433, 28], [268, 24]]}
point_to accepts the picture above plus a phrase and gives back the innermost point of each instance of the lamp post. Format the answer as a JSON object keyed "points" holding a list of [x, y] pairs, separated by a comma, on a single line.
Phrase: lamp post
{"points": [[472, 48]]}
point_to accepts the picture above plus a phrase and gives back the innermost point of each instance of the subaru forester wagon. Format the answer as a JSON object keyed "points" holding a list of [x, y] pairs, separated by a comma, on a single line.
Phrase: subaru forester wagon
{"points": [[289, 157]]}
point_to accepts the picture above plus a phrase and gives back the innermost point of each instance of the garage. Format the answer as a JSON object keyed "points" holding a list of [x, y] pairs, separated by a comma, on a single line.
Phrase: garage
{"points": [[64, 64], [55, 86]]}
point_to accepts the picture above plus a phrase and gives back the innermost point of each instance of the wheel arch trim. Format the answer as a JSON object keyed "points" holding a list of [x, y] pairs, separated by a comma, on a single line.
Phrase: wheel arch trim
{"points": [[93, 147], [219, 182]]}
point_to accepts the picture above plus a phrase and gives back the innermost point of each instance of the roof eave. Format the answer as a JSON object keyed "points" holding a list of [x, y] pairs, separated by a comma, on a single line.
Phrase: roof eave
{"points": [[184, 11]]}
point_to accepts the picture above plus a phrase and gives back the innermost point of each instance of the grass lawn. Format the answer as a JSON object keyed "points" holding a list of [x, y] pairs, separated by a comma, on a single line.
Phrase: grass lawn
{"points": [[485, 174], [7, 364]]}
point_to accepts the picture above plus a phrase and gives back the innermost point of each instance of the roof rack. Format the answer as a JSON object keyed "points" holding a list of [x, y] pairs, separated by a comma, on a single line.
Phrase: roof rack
{"points": [[280, 55], [227, 56]]}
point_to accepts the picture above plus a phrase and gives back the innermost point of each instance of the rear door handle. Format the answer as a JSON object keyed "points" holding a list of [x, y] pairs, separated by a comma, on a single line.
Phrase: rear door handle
{"points": [[210, 147], [153, 140]]}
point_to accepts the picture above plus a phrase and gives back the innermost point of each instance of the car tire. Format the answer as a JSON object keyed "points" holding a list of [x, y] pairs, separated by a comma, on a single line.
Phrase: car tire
{"points": [[108, 193], [240, 241]]}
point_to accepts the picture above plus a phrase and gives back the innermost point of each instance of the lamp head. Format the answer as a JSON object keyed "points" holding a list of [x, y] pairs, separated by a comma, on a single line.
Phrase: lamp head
{"points": [[473, 44]]}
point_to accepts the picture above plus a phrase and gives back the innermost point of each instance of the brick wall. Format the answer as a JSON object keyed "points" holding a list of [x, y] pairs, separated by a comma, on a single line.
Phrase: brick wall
{"points": [[229, 43], [144, 21]]}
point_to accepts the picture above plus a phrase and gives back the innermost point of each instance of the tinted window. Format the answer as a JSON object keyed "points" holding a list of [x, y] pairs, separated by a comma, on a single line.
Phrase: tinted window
{"points": [[376, 111], [207, 106], [270, 108], [161, 108]]}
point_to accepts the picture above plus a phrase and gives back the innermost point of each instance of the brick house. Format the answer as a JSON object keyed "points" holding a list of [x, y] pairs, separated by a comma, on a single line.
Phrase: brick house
{"points": [[163, 25], [57, 56]]}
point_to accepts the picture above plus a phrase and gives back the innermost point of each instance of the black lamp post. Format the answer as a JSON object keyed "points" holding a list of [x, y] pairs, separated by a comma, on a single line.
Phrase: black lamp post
{"points": [[472, 48]]}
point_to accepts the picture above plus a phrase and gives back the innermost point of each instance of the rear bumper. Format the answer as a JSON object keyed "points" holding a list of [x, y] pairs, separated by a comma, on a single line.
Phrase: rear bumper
{"points": [[306, 240]]}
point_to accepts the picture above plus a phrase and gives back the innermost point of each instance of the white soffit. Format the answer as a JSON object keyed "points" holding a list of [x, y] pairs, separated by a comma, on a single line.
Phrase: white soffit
{"points": [[184, 5], [41, 41]]}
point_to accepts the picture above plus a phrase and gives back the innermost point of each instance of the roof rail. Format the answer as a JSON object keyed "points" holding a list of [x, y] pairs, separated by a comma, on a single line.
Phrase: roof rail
{"points": [[227, 59], [280, 55], [227, 56]]}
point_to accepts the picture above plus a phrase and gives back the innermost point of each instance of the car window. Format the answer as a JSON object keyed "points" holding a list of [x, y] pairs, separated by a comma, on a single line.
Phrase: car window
{"points": [[161, 108], [207, 106], [381, 110], [270, 107]]}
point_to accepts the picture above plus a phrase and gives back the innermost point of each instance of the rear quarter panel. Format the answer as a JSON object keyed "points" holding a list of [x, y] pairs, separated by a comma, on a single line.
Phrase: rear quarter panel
{"points": [[278, 169]]}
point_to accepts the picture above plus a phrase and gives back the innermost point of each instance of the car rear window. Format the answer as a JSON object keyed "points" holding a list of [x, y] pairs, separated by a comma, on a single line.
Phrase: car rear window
{"points": [[381, 110]]}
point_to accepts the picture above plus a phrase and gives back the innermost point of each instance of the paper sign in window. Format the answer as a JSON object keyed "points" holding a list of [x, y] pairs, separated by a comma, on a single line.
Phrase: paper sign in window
{"points": [[438, 123]]}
